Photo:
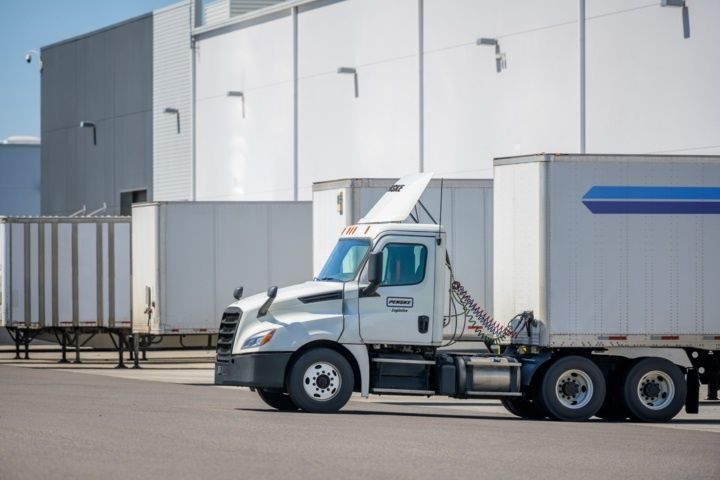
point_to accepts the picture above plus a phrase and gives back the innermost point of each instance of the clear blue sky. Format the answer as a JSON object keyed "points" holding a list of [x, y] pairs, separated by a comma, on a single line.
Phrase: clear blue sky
{"points": [[31, 24]]}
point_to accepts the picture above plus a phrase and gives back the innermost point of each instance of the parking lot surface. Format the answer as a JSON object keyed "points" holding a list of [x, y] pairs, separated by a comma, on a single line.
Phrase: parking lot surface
{"points": [[167, 421]]}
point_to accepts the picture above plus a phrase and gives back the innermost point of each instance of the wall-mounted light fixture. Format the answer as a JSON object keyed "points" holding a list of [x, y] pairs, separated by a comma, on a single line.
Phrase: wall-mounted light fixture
{"points": [[353, 71], [241, 95], [685, 14], [29, 57], [500, 61], [175, 112], [94, 129]]}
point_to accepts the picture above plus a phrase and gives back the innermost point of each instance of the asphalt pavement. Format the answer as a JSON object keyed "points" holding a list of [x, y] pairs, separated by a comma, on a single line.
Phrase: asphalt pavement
{"points": [[60, 424]]}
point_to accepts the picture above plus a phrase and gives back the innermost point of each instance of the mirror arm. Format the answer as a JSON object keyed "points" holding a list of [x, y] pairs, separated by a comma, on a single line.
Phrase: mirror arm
{"points": [[370, 290]]}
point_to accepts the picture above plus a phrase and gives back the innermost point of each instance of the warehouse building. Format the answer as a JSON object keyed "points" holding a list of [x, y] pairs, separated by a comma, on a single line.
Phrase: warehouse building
{"points": [[20, 176], [232, 100]]}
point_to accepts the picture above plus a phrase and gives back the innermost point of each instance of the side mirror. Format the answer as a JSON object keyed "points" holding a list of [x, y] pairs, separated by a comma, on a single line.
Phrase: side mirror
{"points": [[237, 293], [375, 264], [271, 293]]}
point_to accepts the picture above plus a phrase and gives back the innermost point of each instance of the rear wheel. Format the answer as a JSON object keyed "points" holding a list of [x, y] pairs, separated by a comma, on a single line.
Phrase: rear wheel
{"points": [[523, 408], [572, 389], [277, 400], [654, 390], [320, 381]]}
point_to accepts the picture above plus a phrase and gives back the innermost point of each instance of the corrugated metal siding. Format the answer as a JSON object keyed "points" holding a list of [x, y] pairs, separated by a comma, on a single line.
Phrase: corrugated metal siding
{"points": [[172, 88], [215, 12], [240, 7], [220, 10]]}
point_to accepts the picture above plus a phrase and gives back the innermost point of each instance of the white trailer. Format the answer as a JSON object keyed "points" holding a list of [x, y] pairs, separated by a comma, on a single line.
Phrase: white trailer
{"points": [[574, 237], [467, 214], [65, 272], [610, 251], [189, 256], [64, 278]]}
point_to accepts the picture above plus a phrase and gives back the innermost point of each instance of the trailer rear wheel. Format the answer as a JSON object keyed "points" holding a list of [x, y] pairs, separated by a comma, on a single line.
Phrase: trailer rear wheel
{"points": [[277, 400], [523, 408], [320, 381], [572, 389], [654, 390]]}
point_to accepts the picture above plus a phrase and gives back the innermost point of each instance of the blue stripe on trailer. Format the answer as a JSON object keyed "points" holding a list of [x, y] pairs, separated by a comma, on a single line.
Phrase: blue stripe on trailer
{"points": [[637, 207], [660, 193]]}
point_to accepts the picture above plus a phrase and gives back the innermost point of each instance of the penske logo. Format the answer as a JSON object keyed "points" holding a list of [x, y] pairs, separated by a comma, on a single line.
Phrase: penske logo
{"points": [[399, 304]]}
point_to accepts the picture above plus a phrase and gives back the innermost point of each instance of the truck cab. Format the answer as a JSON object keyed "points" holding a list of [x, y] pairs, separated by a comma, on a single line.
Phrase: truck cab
{"points": [[373, 322]]}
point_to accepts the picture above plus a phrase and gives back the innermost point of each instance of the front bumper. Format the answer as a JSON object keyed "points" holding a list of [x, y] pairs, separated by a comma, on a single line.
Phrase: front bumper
{"points": [[265, 370]]}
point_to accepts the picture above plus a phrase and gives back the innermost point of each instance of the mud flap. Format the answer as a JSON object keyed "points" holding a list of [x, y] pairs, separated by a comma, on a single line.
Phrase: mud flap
{"points": [[692, 399]]}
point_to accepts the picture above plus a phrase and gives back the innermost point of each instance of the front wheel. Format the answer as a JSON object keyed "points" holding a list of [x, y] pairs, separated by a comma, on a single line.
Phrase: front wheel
{"points": [[654, 390], [572, 389], [277, 400], [320, 381]]}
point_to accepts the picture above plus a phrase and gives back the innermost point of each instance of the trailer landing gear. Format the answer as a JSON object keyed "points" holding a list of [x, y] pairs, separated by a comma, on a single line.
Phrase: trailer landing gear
{"points": [[22, 336]]}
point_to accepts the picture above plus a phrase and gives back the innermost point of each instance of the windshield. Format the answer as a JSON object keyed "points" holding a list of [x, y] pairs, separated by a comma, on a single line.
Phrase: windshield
{"points": [[345, 260]]}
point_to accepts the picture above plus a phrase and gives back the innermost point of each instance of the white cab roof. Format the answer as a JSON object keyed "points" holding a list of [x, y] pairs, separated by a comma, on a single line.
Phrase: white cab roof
{"points": [[399, 200], [374, 230]]}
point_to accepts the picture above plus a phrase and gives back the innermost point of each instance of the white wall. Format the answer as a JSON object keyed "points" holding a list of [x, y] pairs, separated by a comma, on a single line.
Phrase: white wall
{"points": [[648, 89], [376, 133], [251, 157], [473, 113]]}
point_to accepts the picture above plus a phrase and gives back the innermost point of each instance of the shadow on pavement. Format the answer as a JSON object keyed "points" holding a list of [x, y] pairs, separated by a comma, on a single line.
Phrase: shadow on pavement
{"points": [[679, 421], [444, 404], [389, 414]]}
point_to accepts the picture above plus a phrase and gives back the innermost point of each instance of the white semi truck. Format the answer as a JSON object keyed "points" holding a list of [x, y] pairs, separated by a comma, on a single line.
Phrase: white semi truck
{"points": [[606, 276]]}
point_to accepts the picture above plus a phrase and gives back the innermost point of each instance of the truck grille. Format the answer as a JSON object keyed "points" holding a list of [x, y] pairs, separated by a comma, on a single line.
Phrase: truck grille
{"points": [[226, 334]]}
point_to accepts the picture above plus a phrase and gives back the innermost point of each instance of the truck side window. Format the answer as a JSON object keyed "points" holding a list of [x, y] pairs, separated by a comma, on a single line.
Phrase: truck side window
{"points": [[403, 264]]}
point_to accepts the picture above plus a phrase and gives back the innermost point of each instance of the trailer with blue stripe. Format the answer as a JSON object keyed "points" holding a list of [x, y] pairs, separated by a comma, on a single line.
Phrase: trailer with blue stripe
{"points": [[606, 298]]}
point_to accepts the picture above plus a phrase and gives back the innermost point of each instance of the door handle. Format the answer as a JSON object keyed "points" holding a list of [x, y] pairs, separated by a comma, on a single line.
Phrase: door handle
{"points": [[423, 323]]}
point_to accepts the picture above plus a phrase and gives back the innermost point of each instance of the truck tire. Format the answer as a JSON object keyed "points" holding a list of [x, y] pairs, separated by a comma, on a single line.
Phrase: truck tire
{"points": [[523, 408], [572, 389], [654, 390], [320, 381], [277, 400]]}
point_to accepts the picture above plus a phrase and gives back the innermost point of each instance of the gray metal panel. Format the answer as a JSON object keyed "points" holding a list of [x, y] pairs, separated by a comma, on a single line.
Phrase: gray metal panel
{"points": [[172, 88], [93, 181], [59, 105], [104, 77], [131, 50], [94, 84], [58, 148], [133, 145]]}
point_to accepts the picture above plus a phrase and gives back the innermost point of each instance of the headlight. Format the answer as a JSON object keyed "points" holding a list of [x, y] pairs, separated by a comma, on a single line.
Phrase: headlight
{"points": [[259, 339]]}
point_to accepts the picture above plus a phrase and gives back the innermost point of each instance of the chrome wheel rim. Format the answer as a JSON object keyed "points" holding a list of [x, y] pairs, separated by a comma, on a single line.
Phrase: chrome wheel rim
{"points": [[322, 381], [574, 389], [656, 390]]}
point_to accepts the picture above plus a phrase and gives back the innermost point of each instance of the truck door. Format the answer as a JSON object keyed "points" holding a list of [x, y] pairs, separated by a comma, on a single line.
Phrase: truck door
{"points": [[401, 311]]}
